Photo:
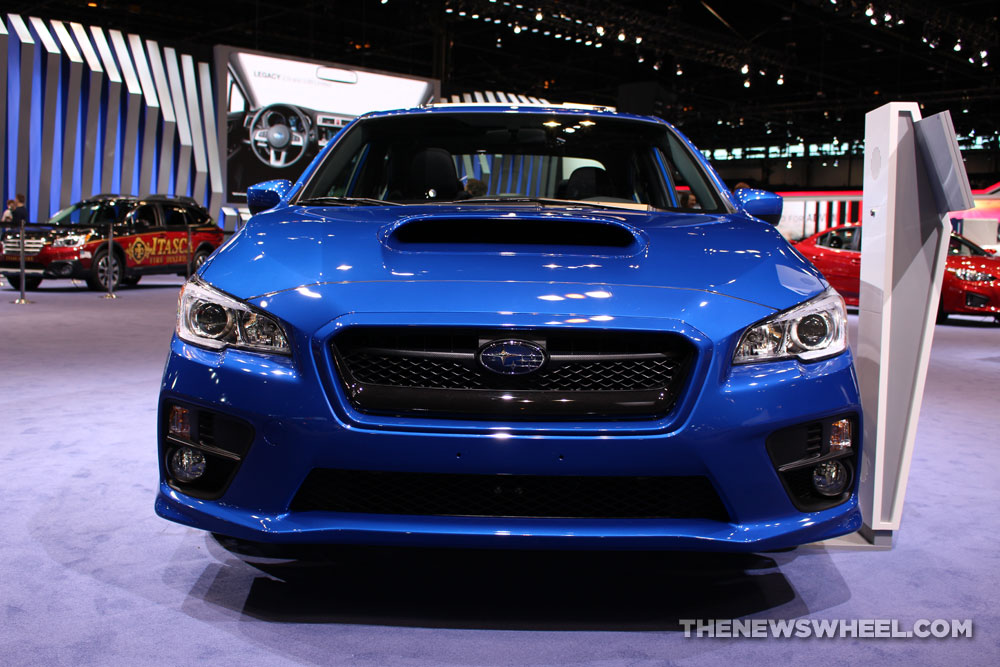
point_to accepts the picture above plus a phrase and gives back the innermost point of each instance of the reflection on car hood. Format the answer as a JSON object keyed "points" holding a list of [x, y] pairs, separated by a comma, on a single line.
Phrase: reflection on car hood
{"points": [[727, 254]]}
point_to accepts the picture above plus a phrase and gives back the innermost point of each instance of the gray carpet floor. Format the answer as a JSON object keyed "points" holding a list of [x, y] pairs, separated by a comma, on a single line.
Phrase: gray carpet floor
{"points": [[90, 576]]}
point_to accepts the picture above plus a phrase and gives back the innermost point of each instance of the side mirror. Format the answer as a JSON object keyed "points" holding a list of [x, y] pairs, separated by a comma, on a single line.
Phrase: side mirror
{"points": [[266, 195], [992, 251], [760, 204]]}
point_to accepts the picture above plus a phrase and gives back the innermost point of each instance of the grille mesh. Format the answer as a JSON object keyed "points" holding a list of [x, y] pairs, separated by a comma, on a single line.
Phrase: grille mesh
{"points": [[439, 494]]}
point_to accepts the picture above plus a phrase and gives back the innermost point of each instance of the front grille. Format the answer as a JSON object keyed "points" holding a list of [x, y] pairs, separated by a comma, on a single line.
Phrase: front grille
{"points": [[529, 496], [12, 246], [437, 372]]}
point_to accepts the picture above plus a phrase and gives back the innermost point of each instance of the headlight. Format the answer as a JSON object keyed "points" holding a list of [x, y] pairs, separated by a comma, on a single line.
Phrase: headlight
{"points": [[71, 241], [814, 330], [207, 317], [973, 276]]}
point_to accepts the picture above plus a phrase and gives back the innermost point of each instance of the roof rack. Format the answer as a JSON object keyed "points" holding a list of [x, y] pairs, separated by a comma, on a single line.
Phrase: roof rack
{"points": [[184, 199]]}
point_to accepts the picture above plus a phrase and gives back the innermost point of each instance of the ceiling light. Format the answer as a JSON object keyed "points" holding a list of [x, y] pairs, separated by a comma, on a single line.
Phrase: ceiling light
{"points": [[680, 71], [600, 30], [958, 45], [781, 79], [638, 39], [539, 16], [869, 11], [746, 82], [745, 69], [621, 36]]}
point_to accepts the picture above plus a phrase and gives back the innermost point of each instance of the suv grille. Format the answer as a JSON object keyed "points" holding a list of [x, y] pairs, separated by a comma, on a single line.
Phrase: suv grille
{"points": [[437, 372], [12, 246], [536, 496]]}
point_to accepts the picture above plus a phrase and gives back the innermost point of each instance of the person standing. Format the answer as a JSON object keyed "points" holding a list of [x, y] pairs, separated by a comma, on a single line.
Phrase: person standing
{"points": [[20, 213], [8, 213]]}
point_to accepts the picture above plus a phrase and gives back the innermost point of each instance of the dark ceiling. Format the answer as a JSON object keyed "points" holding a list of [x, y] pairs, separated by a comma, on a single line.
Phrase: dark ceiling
{"points": [[836, 59]]}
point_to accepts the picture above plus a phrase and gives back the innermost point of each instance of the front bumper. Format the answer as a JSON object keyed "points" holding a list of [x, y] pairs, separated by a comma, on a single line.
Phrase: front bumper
{"points": [[299, 420]]}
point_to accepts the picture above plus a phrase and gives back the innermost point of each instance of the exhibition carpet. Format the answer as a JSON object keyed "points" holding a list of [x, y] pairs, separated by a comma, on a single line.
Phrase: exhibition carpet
{"points": [[90, 576]]}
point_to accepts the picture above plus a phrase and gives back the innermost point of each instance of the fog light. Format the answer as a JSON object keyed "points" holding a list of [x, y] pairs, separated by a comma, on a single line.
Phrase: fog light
{"points": [[830, 478], [180, 422], [840, 435], [187, 464]]}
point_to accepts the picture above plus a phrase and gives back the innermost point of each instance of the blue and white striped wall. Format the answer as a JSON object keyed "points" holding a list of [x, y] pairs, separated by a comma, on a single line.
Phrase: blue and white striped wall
{"points": [[89, 110]]}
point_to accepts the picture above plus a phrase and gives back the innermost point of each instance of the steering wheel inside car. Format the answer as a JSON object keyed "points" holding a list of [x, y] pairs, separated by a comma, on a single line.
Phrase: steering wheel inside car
{"points": [[279, 135]]}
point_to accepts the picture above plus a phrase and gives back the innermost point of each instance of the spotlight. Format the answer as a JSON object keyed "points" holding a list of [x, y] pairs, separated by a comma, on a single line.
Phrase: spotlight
{"points": [[638, 39], [958, 45], [600, 30], [539, 16], [746, 82], [187, 464], [869, 11], [781, 79], [621, 36], [680, 71], [745, 69], [830, 478]]}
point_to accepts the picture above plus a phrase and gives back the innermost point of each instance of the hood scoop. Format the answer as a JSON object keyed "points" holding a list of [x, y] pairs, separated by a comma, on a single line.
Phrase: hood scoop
{"points": [[511, 234]]}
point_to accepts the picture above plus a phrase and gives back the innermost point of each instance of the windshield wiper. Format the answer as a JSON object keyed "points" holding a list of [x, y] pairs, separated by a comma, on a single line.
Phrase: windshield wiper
{"points": [[345, 201]]}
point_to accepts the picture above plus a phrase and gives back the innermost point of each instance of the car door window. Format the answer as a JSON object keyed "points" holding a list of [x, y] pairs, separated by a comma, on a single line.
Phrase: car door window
{"points": [[175, 218], [143, 218], [841, 239]]}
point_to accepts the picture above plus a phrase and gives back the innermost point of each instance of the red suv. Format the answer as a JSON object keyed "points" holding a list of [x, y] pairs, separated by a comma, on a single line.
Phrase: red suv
{"points": [[155, 234]]}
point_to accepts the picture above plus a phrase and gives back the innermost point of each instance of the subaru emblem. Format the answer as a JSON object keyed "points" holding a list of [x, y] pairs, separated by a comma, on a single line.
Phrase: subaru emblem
{"points": [[512, 357]]}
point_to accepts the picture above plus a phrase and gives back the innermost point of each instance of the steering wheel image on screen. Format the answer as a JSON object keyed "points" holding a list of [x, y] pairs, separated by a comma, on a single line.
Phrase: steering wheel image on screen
{"points": [[279, 135]]}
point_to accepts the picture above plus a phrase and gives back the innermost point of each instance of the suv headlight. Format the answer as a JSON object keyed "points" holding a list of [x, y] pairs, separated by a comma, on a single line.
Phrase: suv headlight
{"points": [[71, 241], [973, 276], [811, 331], [208, 317]]}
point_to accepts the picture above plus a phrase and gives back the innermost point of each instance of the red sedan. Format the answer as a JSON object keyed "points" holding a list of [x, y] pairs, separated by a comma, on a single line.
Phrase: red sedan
{"points": [[971, 278]]}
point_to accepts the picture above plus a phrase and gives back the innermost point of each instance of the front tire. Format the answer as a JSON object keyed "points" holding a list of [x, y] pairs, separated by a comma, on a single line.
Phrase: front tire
{"points": [[101, 270], [199, 259], [30, 283]]}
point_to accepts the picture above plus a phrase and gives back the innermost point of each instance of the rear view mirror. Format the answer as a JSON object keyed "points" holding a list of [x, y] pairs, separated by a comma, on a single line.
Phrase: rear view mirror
{"points": [[760, 204]]}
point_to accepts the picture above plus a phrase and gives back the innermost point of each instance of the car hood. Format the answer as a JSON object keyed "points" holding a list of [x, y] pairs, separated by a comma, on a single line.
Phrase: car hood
{"points": [[728, 254], [989, 265]]}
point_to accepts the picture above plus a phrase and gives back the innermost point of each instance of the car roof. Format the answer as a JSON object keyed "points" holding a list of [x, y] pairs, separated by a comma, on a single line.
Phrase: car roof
{"points": [[527, 108], [172, 199]]}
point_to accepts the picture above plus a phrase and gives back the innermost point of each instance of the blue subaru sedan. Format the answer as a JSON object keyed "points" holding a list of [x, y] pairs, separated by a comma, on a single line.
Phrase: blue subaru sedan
{"points": [[540, 327]]}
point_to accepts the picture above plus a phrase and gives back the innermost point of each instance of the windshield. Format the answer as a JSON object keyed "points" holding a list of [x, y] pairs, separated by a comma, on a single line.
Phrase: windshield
{"points": [[454, 156], [84, 213]]}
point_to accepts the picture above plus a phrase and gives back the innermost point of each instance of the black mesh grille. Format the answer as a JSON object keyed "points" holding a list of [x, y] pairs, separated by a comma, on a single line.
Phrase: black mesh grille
{"points": [[536, 496], [629, 374]]}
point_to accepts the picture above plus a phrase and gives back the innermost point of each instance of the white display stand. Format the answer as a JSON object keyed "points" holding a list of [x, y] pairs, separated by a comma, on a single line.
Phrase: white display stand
{"points": [[913, 176]]}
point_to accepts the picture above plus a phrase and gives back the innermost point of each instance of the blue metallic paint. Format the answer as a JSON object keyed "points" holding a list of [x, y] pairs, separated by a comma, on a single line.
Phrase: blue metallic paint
{"points": [[320, 269]]}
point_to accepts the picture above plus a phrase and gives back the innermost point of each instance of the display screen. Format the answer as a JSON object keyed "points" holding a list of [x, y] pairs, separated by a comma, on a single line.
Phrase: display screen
{"points": [[279, 112]]}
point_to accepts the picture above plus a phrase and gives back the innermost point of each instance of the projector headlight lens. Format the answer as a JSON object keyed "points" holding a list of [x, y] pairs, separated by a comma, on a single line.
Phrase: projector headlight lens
{"points": [[208, 317], [814, 330]]}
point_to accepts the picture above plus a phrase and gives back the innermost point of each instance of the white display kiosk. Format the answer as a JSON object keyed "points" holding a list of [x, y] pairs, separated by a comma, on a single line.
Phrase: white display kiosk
{"points": [[913, 176]]}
